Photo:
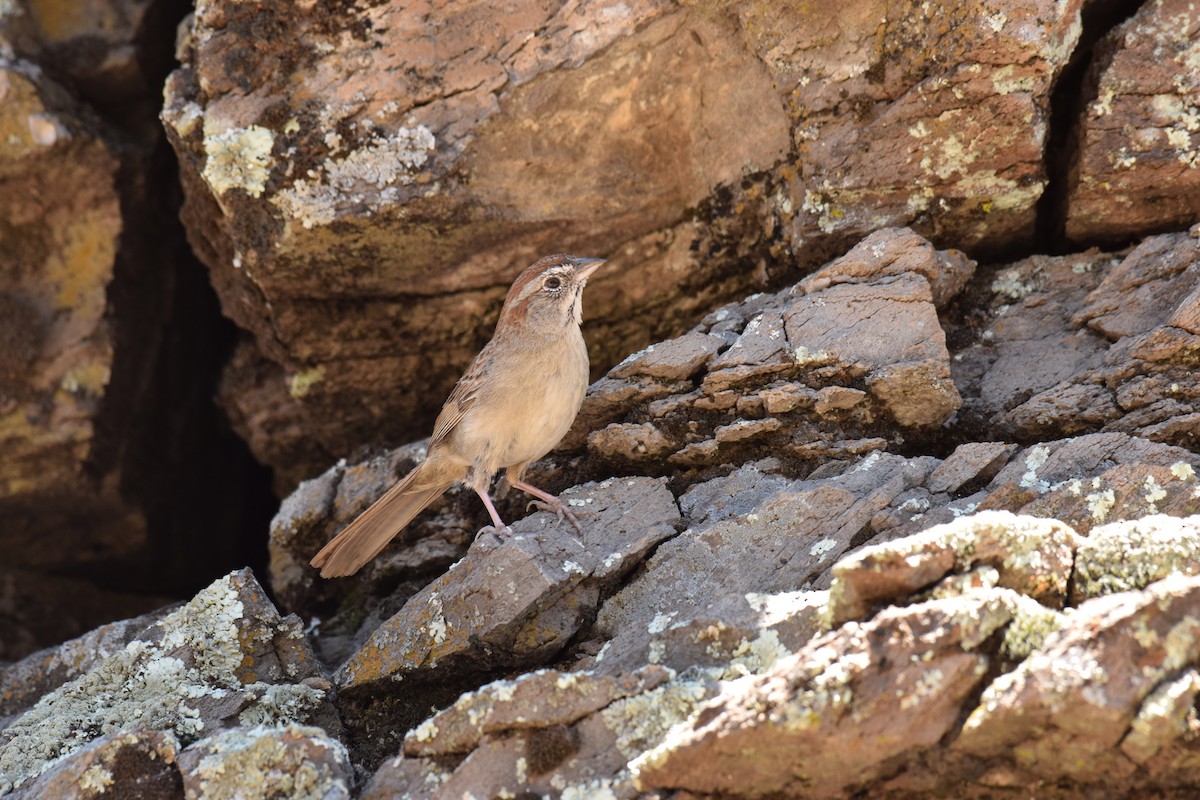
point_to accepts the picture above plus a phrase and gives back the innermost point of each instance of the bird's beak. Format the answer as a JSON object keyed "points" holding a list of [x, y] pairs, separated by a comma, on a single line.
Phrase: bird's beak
{"points": [[586, 266]]}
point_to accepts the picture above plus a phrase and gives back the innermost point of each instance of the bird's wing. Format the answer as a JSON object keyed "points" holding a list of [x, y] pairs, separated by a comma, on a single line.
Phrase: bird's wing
{"points": [[459, 402]]}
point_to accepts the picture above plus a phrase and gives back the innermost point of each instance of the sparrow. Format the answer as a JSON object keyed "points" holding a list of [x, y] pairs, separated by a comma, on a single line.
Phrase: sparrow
{"points": [[515, 402]]}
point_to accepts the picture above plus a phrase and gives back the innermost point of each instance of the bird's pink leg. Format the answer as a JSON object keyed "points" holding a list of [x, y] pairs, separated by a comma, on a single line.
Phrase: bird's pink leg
{"points": [[546, 502], [498, 524]]}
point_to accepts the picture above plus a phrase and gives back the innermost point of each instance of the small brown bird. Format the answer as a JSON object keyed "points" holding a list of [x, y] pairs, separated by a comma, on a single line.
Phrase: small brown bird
{"points": [[515, 402]]}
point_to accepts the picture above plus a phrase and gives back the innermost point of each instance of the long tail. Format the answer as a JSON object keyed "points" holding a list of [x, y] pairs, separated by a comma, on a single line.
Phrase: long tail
{"points": [[362, 539]]}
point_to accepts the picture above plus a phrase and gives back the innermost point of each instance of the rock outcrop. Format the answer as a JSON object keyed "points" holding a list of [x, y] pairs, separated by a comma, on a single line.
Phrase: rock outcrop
{"points": [[1138, 149], [210, 672], [337, 158], [106, 353], [888, 483]]}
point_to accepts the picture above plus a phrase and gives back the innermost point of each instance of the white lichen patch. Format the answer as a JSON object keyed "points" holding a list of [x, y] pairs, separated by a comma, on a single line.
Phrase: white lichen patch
{"points": [[641, 722], [1034, 459], [1012, 283], [1154, 492], [437, 629], [239, 158], [660, 622], [805, 357], [1100, 503], [757, 655], [599, 789], [366, 177], [96, 779], [1031, 623], [276, 702], [822, 548], [164, 684], [269, 761], [425, 732], [1183, 471]]}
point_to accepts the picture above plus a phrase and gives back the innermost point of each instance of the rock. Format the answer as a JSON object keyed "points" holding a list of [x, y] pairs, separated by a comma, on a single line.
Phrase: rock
{"points": [[896, 252], [1135, 168], [509, 604], [798, 729], [1056, 723], [225, 657], [56, 349], [1089, 343], [828, 369], [876, 705], [319, 508], [104, 47], [109, 336], [292, 761], [1125, 556], [673, 360], [42, 672], [870, 595], [1032, 556], [542, 699], [1099, 478], [137, 763], [725, 589], [772, 141], [562, 745], [517, 601], [970, 463]]}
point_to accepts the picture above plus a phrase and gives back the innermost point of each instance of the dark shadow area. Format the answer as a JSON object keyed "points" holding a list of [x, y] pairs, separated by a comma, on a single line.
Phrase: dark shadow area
{"points": [[1070, 96]]}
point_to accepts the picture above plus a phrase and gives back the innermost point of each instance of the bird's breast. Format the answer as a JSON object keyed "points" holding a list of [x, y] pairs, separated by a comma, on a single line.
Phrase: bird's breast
{"points": [[526, 405]]}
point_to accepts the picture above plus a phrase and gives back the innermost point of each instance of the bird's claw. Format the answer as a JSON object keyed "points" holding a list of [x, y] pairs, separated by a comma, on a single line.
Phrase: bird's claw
{"points": [[491, 530], [559, 508]]}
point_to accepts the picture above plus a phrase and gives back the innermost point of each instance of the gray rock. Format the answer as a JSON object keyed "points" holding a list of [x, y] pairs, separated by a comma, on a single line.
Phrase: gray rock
{"points": [[516, 601], [292, 761], [224, 658]]}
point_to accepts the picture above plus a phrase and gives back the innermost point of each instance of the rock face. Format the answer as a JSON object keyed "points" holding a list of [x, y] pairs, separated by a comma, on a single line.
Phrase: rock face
{"points": [[1090, 342], [223, 660], [919, 518], [335, 157], [804, 591], [56, 347], [785, 593], [1139, 137], [103, 392]]}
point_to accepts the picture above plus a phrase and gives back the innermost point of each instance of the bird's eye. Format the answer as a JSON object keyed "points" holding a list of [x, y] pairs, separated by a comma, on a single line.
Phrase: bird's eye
{"points": [[553, 282]]}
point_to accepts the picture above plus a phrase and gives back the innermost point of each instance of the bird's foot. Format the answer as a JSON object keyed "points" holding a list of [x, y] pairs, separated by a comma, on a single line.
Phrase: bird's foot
{"points": [[499, 534], [559, 508]]}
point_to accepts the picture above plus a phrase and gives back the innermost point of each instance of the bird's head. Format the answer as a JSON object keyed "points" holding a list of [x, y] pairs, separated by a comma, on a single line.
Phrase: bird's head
{"points": [[549, 294]]}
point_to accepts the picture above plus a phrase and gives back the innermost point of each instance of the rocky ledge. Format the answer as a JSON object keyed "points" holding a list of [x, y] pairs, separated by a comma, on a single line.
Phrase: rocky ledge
{"points": [[787, 584]]}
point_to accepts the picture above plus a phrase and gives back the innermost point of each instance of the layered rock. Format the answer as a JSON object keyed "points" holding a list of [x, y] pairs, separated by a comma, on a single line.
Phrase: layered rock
{"points": [[336, 159], [1135, 162], [224, 660], [109, 336], [787, 593], [1090, 342], [864, 599]]}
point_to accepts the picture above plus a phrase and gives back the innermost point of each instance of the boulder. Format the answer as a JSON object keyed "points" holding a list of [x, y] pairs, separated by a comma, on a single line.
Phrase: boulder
{"points": [[362, 198], [1134, 166], [225, 658]]}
